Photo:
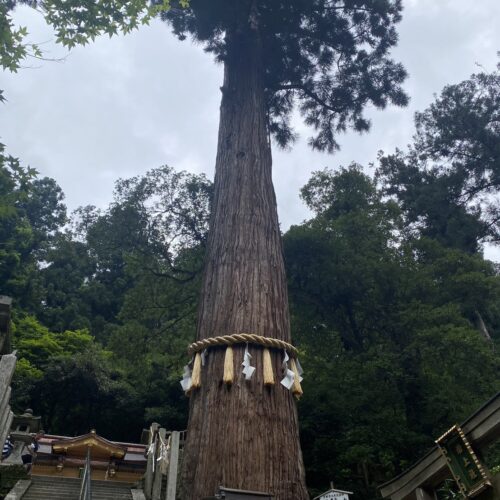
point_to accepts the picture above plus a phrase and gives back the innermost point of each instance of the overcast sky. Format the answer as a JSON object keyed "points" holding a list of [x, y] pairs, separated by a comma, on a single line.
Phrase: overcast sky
{"points": [[124, 105]]}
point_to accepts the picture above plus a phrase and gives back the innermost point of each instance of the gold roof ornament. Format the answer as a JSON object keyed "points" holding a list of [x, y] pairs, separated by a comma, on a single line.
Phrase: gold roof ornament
{"points": [[78, 446]]}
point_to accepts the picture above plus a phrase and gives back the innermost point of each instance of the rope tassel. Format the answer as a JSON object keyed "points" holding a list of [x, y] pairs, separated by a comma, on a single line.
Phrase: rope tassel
{"points": [[296, 388], [196, 375], [268, 374], [228, 377], [292, 372]]}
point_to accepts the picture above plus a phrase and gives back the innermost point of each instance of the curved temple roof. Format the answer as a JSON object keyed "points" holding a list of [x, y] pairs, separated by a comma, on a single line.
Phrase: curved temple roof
{"points": [[99, 446]]}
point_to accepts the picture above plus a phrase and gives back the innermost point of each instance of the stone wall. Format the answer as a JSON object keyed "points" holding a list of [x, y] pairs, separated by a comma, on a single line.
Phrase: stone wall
{"points": [[7, 367]]}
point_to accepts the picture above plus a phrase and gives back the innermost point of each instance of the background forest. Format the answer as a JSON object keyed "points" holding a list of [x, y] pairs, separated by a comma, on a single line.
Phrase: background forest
{"points": [[394, 308]]}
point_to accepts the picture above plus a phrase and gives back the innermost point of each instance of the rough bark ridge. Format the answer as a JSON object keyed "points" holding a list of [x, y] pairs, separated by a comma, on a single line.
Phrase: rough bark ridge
{"points": [[245, 435]]}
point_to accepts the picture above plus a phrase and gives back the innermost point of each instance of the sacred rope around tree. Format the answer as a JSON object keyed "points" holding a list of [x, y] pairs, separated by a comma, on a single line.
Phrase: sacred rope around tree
{"points": [[292, 377], [242, 338]]}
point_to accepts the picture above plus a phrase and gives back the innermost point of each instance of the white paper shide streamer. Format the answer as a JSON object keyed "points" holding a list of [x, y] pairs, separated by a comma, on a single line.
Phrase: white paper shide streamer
{"points": [[186, 381], [299, 369], [204, 357], [248, 370], [152, 451], [289, 377]]}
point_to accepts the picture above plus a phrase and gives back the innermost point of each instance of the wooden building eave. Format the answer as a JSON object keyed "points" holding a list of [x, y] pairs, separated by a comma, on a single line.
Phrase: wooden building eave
{"points": [[481, 428], [99, 446]]}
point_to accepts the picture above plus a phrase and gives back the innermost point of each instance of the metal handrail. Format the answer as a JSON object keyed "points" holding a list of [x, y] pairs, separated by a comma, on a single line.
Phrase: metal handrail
{"points": [[86, 488]]}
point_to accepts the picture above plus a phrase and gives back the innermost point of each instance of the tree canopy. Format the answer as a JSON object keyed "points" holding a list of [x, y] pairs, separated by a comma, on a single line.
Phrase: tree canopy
{"points": [[329, 59], [391, 298], [448, 182], [75, 22], [387, 312], [386, 322]]}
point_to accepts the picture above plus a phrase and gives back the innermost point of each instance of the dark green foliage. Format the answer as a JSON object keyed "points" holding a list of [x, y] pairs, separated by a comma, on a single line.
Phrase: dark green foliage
{"points": [[327, 58], [447, 184], [388, 326], [388, 323], [64, 285], [9, 476], [13, 48], [80, 21], [75, 22], [66, 376], [448, 490], [150, 232], [16, 235], [31, 213], [394, 309], [353, 230], [129, 275], [83, 391], [44, 208]]}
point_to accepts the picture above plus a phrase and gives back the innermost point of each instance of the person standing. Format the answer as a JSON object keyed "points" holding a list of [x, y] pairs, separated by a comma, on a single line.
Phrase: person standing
{"points": [[29, 457], [7, 448]]}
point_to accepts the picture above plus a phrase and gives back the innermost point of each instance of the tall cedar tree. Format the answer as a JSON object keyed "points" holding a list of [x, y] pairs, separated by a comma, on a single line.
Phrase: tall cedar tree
{"points": [[330, 58]]}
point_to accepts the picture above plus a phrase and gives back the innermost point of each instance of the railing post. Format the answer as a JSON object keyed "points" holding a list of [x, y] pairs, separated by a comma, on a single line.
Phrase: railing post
{"points": [[158, 476], [86, 488], [89, 475], [173, 465], [150, 465]]}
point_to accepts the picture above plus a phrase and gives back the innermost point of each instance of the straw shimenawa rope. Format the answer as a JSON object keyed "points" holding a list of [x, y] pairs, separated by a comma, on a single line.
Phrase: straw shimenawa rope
{"points": [[242, 338]]}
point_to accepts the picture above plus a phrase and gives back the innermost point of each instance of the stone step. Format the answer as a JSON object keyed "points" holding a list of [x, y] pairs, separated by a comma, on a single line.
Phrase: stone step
{"points": [[60, 488], [67, 495]]}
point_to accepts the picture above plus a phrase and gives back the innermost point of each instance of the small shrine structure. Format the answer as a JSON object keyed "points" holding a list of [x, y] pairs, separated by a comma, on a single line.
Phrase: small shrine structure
{"points": [[334, 494], [110, 461]]}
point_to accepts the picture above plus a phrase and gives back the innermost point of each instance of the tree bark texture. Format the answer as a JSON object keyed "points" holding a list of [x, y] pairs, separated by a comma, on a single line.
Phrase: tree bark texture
{"points": [[244, 435]]}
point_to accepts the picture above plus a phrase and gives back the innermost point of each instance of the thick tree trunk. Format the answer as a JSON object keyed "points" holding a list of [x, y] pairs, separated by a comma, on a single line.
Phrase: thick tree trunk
{"points": [[243, 436]]}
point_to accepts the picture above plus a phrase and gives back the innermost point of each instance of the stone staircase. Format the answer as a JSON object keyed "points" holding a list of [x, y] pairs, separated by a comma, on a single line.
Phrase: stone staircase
{"points": [[63, 488]]}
